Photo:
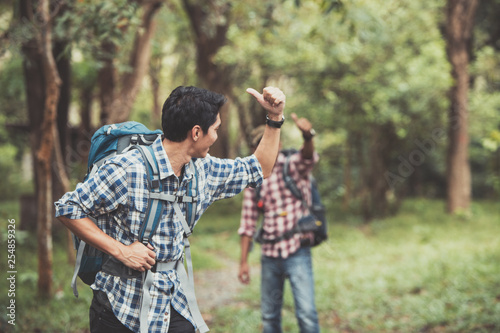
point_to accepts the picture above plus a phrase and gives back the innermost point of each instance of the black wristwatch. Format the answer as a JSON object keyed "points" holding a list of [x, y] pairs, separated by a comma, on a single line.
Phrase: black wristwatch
{"points": [[275, 124]]}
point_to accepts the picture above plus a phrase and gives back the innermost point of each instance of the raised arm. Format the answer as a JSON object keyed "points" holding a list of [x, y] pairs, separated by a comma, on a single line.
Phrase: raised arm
{"points": [[305, 126], [273, 100]]}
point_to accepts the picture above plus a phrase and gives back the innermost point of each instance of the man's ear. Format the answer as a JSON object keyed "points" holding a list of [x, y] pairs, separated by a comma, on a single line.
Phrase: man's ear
{"points": [[196, 132]]}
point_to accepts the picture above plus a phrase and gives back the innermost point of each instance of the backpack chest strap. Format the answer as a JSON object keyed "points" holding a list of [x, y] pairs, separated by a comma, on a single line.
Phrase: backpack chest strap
{"points": [[172, 197]]}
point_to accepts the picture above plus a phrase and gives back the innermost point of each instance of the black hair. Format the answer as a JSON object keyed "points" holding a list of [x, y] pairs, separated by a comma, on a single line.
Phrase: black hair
{"points": [[187, 107]]}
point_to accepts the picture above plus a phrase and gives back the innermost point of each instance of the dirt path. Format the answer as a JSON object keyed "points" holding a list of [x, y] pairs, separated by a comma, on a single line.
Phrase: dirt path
{"points": [[219, 287]]}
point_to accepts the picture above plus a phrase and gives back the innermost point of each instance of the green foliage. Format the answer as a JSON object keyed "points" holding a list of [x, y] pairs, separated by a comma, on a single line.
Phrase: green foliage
{"points": [[12, 183], [12, 94], [13, 143], [93, 23], [350, 67], [364, 66], [485, 123]]}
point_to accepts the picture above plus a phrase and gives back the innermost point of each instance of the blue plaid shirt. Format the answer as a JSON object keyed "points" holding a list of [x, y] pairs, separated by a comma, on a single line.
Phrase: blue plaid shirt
{"points": [[117, 197]]}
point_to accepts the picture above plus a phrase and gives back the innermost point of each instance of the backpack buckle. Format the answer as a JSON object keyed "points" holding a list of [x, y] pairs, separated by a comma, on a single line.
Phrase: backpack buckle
{"points": [[134, 139]]}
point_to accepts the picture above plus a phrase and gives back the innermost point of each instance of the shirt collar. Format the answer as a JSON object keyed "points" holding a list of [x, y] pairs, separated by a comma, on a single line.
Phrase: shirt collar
{"points": [[164, 165]]}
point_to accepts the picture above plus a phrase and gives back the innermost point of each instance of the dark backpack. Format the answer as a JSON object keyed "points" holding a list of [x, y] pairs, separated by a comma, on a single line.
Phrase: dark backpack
{"points": [[315, 222], [109, 141]]}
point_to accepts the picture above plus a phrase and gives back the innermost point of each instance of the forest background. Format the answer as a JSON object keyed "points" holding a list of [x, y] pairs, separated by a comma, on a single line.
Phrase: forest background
{"points": [[404, 95]]}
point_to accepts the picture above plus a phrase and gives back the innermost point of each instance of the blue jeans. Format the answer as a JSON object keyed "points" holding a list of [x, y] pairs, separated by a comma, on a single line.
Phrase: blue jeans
{"points": [[298, 269]]}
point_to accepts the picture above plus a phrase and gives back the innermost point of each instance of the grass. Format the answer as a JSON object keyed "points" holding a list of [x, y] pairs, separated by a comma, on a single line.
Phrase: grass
{"points": [[420, 271]]}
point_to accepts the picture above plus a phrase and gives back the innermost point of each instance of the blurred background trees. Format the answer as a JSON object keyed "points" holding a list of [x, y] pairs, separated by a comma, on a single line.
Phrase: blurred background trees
{"points": [[374, 77]]}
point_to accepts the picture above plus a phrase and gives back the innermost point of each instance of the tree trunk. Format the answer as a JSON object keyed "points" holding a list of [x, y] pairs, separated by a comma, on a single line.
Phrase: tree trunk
{"points": [[106, 80], [34, 82], [154, 75], [121, 106], [346, 202], [86, 99], [84, 133], [59, 171], [250, 115], [459, 24], [63, 62], [245, 122], [209, 38], [382, 144], [44, 152]]}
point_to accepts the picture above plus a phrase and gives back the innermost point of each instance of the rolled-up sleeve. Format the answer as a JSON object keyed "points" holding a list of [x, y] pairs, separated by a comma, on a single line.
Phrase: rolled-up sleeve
{"points": [[226, 178], [100, 194], [302, 166]]}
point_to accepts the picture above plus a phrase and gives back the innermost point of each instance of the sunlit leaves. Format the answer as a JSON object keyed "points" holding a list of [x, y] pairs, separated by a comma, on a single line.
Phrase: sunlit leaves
{"points": [[91, 23]]}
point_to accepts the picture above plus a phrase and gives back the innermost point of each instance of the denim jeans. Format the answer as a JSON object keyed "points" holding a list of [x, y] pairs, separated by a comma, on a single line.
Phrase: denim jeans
{"points": [[298, 269]]}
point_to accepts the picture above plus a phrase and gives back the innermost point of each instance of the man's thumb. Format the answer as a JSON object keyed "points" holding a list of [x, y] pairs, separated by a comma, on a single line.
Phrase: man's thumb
{"points": [[255, 94]]}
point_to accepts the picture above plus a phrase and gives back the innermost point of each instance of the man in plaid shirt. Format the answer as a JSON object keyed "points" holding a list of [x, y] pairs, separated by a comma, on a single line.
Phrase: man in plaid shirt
{"points": [[117, 197], [284, 258]]}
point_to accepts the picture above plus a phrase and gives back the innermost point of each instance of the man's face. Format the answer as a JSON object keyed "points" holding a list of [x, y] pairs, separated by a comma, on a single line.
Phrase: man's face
{"points": [[207, 139]]}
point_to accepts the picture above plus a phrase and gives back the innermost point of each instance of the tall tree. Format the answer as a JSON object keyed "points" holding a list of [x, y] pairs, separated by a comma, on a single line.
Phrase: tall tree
{"points": [[459, 25], [105, 27], [210, 21], [139, 57], [40, 66], [155, 67]]}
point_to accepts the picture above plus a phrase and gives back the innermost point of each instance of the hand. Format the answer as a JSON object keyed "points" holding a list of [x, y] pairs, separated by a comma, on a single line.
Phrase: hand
{"points": [[244, 273], [272, 99], [302, 123], [138, 256]]}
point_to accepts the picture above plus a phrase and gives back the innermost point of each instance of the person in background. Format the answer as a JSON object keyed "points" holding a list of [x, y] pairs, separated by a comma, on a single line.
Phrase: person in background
{"points": [[282, 258]]}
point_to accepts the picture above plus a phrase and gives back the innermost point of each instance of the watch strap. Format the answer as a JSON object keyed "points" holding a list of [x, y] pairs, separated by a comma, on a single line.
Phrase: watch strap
{"points": [[273, 123]]}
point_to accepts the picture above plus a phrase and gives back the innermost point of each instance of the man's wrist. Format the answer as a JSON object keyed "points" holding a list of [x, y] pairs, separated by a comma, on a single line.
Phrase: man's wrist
{"points": [[116, 250], [275, 121], [275, 117], [308, 135]]}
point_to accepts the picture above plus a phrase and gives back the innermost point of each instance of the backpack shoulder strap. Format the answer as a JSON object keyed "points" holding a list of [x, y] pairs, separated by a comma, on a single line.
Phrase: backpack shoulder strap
{"points": [[193, 192], [289, 181], [155, 206], [187, 279]]}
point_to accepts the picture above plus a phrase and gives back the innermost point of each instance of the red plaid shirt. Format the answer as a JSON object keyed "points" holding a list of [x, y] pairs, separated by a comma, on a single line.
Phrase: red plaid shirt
{"points": [[281, 208]]}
